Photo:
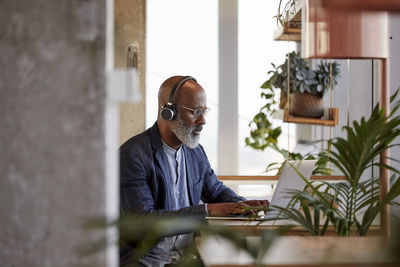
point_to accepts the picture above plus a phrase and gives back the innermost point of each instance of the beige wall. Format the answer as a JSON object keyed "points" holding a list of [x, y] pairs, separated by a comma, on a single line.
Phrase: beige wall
{"points": [[130, 27]]}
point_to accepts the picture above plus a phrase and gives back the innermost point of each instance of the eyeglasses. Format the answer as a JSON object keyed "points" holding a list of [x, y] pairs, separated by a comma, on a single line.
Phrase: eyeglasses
{"points": [[196, 112]]}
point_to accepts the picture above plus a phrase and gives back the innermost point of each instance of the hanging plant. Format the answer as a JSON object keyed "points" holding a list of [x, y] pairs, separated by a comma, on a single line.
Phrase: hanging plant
{"points": [[283, 10], [263, 132], [302, 77]]}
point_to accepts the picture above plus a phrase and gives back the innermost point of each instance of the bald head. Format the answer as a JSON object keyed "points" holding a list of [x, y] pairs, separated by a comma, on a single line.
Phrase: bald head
{"points": [[165, 89], [167, 86]]}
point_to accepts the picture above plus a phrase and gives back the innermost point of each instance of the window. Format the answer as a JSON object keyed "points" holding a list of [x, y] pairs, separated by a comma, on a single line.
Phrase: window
{"points": [[182, 38], [257, 50]]}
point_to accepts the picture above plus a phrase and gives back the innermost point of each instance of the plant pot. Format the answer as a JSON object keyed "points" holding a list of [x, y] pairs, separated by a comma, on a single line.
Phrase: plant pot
{"points": [[282, 100], [306, 105]]}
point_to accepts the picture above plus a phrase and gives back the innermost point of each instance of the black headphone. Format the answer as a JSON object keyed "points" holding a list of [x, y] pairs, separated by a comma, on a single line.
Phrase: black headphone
{"points": [[168, 111]]}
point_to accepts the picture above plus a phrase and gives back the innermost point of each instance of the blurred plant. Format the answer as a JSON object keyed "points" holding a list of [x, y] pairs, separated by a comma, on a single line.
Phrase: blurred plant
{"points": [[283, 10], [144, 232]]}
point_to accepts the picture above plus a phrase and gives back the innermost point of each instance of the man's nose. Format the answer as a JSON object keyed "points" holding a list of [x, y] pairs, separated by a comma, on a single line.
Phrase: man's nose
{"points": [[201, 119]]}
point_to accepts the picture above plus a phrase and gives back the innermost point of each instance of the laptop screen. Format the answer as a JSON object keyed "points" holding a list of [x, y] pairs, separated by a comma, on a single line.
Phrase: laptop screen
{"points": [[290, 180]]}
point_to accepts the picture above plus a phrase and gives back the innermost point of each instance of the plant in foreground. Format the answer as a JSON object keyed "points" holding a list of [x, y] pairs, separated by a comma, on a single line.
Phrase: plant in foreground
{"points": [[351, 206]]}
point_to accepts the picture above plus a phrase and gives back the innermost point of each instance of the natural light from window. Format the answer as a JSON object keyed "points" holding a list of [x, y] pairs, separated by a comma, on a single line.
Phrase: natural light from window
{"points": [[182, 38]]}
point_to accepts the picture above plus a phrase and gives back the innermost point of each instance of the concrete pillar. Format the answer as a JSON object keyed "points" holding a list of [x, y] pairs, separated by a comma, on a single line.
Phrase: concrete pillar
{"points": [[52, 103]]}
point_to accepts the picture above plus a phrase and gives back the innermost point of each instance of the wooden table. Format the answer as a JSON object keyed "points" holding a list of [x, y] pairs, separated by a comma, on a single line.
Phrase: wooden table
{"points": [[253, 228]]}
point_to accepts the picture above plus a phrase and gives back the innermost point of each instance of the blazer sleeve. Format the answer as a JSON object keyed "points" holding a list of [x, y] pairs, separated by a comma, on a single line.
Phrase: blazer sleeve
{"points": [[214, 191]]}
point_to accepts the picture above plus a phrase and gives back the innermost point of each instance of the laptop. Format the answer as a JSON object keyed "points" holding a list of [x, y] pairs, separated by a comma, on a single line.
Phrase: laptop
{"points": [[289, 180]]}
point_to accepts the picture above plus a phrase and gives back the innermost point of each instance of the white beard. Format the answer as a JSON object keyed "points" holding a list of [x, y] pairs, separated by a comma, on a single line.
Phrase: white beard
{"points": [[184, 133]]}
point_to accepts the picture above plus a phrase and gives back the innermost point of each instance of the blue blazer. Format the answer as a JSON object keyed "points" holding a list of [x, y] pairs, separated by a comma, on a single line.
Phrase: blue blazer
{"points": [[144, 181], [144, 178]]}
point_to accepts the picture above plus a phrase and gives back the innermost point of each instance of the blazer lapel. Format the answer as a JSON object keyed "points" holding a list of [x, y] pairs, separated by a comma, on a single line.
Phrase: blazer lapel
{"points": [[189, 173], [161, 160]]}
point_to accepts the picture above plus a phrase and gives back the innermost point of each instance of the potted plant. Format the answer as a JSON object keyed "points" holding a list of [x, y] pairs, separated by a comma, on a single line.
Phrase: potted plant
{"points": [[307, 86], [284, 9], [303, 81]]}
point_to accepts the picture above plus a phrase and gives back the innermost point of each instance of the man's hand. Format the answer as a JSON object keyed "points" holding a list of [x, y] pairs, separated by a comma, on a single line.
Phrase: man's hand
{"points": [[257, 203], [225, 209]]}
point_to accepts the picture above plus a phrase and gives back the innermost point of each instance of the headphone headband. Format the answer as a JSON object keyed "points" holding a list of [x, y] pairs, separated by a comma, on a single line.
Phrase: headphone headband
{"points": [[177, 86]]}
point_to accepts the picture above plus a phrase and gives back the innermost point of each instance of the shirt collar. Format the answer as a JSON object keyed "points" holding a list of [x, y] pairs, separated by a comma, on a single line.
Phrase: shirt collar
{"points": [[171, 151]]}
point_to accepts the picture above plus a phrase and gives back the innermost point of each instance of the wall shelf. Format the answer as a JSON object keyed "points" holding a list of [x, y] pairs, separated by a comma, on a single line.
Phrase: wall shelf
{"points": [[331, 121], [287, 33]]}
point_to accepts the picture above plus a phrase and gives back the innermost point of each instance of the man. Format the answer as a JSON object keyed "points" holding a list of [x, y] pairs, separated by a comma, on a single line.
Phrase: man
{"points": [[164, 170]]}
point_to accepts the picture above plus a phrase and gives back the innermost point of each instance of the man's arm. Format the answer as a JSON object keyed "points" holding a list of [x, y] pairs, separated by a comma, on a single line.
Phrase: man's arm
{"points": [[222, 200]]}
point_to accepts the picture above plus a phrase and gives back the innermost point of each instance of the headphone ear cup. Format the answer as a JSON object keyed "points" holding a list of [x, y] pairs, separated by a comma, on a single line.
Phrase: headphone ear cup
{"points": [[168, 113]]}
